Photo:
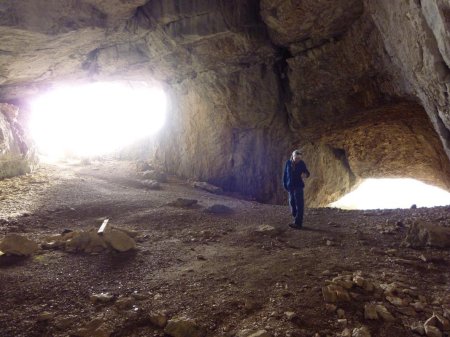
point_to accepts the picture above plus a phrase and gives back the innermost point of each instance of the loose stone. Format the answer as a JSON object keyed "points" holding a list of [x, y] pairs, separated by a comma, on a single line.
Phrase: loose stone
{"points": [[361, 332], [384, 313], [158, 319], [101, 298], [183, 327], [15, 244], [370, 311], [432, 331]]}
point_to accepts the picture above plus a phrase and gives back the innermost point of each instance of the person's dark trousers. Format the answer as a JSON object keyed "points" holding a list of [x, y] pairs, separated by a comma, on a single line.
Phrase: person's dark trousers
{"points": [[297, 205]]}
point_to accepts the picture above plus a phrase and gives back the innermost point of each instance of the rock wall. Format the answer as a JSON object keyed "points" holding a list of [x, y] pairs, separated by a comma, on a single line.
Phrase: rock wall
{"points": [[15, 155], [338, 99], [394, 141], [331, 175], [351, 82], [342, 77], [229, 129], [416, 37]]}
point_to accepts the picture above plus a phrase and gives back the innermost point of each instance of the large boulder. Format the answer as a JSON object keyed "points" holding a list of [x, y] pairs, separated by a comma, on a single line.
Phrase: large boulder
{"points": [[15, 244], [91, 242], [119, 240], [422, 234], [88, 242]]}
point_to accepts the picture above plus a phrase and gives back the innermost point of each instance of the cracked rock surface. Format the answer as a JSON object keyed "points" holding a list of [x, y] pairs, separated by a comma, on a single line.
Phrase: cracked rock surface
{"points": [[251, 80]]}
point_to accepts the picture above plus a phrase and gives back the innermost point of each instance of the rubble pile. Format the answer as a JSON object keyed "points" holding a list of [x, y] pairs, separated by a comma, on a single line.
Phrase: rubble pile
{"points": [[386, 303], [117, 312], [91, 242]]}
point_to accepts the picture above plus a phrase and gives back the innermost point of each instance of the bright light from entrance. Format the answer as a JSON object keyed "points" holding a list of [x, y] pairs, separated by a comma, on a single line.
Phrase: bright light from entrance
{"points": [[95, 119], [393, 193]]}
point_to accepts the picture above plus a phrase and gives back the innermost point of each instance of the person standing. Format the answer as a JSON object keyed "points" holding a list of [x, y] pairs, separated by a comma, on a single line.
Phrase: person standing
{"points": [[294, 172]]}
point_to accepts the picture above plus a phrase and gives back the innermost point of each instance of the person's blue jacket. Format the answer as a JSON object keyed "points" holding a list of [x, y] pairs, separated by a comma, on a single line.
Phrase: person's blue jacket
{"points": [[292, 177]]}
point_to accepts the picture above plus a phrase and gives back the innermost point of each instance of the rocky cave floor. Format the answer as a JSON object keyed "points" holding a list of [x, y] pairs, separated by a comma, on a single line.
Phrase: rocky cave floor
{"points": [[233, 274]]}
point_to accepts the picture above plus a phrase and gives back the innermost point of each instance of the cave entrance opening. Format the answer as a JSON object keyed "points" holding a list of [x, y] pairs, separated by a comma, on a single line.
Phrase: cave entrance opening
{"points": [[95, 119], [393, 193]]}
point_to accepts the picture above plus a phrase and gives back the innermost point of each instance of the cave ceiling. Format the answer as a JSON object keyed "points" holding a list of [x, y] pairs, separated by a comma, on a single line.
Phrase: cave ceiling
{"points": [[44, 41]]}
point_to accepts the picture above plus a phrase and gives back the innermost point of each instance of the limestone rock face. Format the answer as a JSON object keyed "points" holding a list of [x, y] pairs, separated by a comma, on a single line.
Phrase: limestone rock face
{"points": [[54, 17], [98, 39], [308, 22], [362, 86], [331, 82], [401, 142], [15, 155], [416, 37], [331, 175], [230, 129]]}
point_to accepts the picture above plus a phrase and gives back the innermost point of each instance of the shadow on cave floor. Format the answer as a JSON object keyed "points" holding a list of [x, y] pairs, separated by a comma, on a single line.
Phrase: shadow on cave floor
{"points": [[244, 270]]}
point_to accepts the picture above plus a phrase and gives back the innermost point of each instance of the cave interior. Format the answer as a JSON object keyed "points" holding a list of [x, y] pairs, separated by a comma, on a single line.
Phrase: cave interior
{"points": [[361, 87]]}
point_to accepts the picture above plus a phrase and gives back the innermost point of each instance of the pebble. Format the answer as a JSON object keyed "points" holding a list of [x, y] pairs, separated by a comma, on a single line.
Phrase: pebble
{"points": [[219, 209], [443, 323], [45, 316], [125, 303], [158, 319], [260, 333], [346, 333], [341, 313], [384, 313], [64, 323], [182, 202], [361, 332], [95, 328], [418, 328], [139, 296], [397, 301], [370, 311], [330, 307], [342, 322], [359, 281], [407, 311], [432, 331], [101, 298]]}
